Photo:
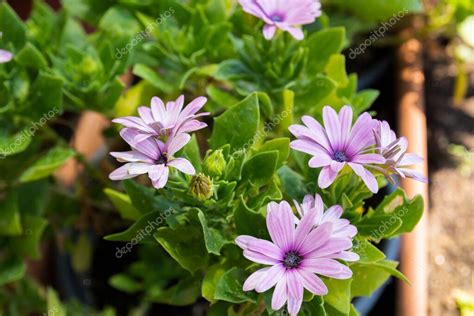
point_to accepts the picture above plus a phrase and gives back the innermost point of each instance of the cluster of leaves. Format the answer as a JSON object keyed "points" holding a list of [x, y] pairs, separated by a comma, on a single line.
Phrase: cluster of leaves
{"points": [[57, 68], [256, 89]]}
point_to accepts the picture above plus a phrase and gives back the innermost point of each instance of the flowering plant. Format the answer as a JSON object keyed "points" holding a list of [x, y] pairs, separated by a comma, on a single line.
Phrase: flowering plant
{"points": [[199, 183]]}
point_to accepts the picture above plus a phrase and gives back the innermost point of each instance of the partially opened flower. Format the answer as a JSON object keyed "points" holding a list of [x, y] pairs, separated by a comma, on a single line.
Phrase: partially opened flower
{"points": [[160, 120], [294, 257], [342, 227], [5, 56], [283, 14], [394, 150], [151, 156], [337, 144]]}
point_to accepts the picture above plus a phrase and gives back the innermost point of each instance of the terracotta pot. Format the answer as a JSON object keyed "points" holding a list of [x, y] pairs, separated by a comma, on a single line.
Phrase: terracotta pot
{"points": [[413, 299]]}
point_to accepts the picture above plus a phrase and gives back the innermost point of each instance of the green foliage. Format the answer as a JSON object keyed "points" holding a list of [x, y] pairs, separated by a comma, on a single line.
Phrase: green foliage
{"points": [[46, 165], [244, 117], [396, 214], [229, 287]]}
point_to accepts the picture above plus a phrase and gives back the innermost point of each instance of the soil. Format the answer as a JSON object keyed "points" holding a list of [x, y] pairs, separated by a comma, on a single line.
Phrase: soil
{"points": [[451, 222]]}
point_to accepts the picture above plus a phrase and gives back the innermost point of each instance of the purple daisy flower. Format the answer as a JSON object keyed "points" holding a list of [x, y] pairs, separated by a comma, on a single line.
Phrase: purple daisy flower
{"points": [[294, 257], [151, 156], [394, 150], [342, 227], [283, 14], [337, 144], [5, 56], [162, 121]]}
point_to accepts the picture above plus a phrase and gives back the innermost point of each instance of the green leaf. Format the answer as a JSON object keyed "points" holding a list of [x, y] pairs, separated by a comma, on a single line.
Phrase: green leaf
{"points": [[367, 279], [185, 244], [46, 98], [14, 144], [410, 213], [123, 204], [364, 99], [120, 22], [322, 45], [125, 283], [243, 117], [314, 308], [249, 222], [142, 230], [378, 226], [212, 277], [266, 106], [81, 255], [311, 98], [54, 304], [287, 114], [231, 70], [271, 192], [152, 77], [12, 27], [336, 69], [11, 269], [395, 215], [220, 308], [48, 164], [293, 183], [212, 237], [191, 151], [368, 253], [144, 198], [391, 267], [109, 94], [229, 287], [186, 292], [38, 197], [132, 98], [282, 145], [259, 169], [223, 99], [339, 295], [350, 89], [10, 222], [28, 244], [30, 56], [331, 311]]}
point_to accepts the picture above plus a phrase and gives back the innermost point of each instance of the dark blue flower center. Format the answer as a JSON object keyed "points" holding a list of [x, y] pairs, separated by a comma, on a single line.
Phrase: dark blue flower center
{"points": [[163, 159], [339, 156], [276, 18], [291, 260]]}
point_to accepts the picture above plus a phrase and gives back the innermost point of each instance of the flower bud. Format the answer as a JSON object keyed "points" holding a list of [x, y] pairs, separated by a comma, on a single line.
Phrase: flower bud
{"points": [[201, 187], [215, 163]]}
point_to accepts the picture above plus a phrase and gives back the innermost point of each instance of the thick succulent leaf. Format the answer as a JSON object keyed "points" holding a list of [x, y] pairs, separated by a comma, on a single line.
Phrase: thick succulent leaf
{"points": [[237, 126], [48, 164]]}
